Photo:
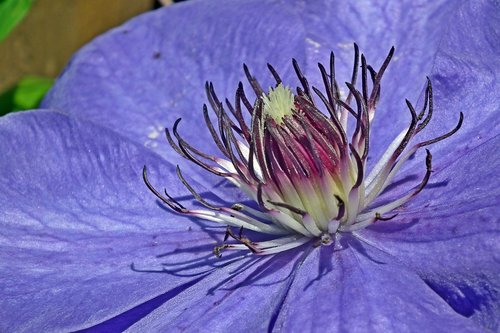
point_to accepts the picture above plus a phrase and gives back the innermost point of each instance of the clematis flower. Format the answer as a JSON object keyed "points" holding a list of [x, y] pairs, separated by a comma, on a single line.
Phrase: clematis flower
{"points": [[85, 246]]}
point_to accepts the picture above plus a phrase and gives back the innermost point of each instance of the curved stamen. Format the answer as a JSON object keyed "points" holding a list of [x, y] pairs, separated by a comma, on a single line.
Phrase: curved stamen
{"points": [[274, 74], [172, 143], [257, 147], [378, 78], [333, 130], [212, 131], [297, 163], [243, 98], [446, 135], [169, 202], [341, 207], [253, 82], [354, 75], [303, 80], [428, 99], [395, 167], [238, 114], [359, 167], [364, 80], [363, 219], [236, 163], [195, 194]]}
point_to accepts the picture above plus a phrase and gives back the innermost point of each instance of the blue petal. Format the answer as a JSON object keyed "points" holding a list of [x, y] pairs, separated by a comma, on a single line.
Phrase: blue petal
{"points": [[240, 298], [139, 78], [152, 70], [76, 212], [359, 289], [456, 43], [464, 73], [450, 234], [415, 28], [75, 215], [466, 76]]}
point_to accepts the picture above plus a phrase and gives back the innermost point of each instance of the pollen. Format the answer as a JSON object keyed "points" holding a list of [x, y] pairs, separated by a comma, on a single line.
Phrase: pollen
{"points": [[278, 103], [303, 159]]}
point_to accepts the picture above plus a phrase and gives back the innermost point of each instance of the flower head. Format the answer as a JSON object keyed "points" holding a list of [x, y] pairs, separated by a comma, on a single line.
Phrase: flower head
{"points": [[297, 163], [84, 247]]}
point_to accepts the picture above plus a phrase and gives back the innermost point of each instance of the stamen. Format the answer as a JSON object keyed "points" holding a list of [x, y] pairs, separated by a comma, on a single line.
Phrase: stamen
{"points": [[193, 192], [333, 130], [341, 206], [212, 131], [286, 246], [275, 74], [354, 75], [236, 163], [243, 240], [241, 94], [172, 204], [253, 82], [444, 136], [364, 81], [428, 99], [236, 111], [395, 167], [378, 78], [396, 203], [359, 167], [251, 211], [303, 80], [379, 217], [296, 162], [257, 143]]}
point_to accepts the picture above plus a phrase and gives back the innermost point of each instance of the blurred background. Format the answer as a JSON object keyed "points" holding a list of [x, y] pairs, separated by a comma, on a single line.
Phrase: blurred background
{"points": [[38, 37]]}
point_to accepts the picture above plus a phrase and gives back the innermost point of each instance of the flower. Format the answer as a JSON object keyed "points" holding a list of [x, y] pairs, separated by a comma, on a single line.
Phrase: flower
{"points": [[297, 163], [75, 213]]}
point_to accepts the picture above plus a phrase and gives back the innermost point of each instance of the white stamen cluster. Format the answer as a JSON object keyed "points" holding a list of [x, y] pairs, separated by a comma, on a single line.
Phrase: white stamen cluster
{"points": [[296, 162]]}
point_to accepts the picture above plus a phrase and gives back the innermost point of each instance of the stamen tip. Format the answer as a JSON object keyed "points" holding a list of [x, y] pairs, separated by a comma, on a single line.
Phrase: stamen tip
{"points": [[236, 207], [176, 123]]}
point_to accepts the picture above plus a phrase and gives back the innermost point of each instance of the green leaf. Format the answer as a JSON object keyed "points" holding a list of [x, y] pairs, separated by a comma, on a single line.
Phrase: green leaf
{"points": [[11, 13], [26, 94]]}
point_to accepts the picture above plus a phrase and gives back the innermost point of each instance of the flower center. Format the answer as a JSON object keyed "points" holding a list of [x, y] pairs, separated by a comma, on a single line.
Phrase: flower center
{"points": [[278, 103], [295, 160]]}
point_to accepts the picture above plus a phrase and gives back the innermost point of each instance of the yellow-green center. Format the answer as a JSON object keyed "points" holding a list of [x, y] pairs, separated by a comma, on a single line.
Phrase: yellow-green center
{"points": [[278, 103]]}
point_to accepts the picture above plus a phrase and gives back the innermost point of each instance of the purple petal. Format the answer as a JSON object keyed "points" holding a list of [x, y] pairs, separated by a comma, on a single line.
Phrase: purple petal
{"points": [[74, 167], [130, 71], [242, 297], [75, 215], [465, 79], [354, 290], [450, 234], [455, 43], [415, 28], [466, 75], [152, 70]]}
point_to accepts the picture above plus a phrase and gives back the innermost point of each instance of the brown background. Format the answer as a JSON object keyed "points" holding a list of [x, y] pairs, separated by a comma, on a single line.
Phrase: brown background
{"points": [[54, 29]]}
